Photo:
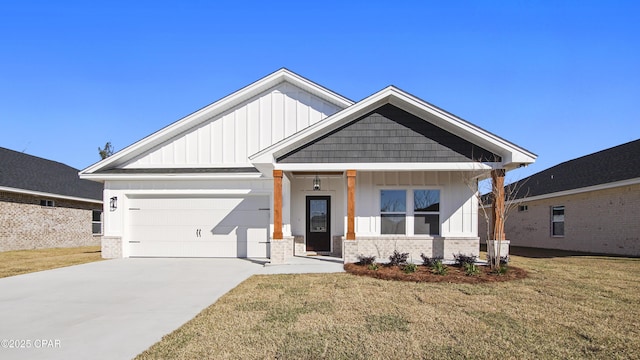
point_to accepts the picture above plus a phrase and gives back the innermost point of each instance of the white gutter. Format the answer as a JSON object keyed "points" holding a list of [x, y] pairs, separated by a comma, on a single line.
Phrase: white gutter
{"points": [[169, 176], [454, 166], [576, 191], [583, 190]]}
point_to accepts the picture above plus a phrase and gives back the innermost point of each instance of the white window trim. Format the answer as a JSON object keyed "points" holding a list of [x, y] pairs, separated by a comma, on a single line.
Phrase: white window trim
{"points": [[101, 222], [563, 221], [409, 211], [47, 203]]}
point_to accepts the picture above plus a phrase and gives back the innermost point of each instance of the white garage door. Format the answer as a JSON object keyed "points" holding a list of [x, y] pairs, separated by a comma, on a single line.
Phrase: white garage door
{"points": [[198, 226]]}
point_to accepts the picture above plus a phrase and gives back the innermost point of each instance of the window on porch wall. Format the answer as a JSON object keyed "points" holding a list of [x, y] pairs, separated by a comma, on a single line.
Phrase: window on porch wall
{"points": [[393, 212], [424, 215], [426, 209]]}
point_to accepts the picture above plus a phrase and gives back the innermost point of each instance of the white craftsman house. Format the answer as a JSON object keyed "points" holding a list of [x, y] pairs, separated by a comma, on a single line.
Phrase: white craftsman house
{"points": [[284, 167]]}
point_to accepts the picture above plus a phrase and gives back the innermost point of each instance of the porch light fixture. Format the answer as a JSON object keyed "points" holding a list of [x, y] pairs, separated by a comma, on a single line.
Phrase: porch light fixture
{"points": [[316, 183], [113, 203]]}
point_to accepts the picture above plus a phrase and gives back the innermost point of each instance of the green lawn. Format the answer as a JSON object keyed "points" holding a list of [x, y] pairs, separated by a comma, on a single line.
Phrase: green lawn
{"points": [[569, 307], [27, 261]]}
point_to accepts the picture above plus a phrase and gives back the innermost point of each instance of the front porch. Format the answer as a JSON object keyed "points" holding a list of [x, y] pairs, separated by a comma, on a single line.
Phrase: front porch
{"points": [[354, 223], [391, 172]]}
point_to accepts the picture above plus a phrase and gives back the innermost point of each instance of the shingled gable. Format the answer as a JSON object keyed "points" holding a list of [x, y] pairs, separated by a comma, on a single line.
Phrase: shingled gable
{"points": [[608, 166], [20, 172], [389, 134], [192, 121], [461, 138]]}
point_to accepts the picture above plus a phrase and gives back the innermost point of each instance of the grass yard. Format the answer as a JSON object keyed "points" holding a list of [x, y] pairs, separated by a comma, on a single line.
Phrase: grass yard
{"points": [[26, 261], [568, 307]]}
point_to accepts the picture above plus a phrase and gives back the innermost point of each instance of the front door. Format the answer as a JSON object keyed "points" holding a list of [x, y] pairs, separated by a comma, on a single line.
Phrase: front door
{"points": [[318, 223]]}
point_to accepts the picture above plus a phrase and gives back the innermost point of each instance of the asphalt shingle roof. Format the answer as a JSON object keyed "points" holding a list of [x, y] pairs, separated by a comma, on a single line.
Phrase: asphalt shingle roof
{"points": [[27, 172], [618, 163]]}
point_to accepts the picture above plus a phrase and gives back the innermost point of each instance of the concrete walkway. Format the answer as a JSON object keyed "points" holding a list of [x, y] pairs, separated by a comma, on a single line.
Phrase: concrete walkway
{"points": [[118, 308], [306, 265]]}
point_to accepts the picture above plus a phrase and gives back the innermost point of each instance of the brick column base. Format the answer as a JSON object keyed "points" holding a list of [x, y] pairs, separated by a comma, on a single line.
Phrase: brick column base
{"points": [[504, 247], [350, 251], [111, 247], [281, 250]]}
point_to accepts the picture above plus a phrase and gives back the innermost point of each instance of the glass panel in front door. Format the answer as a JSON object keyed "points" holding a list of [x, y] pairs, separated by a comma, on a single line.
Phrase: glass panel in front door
{"points": [[318, 215]]}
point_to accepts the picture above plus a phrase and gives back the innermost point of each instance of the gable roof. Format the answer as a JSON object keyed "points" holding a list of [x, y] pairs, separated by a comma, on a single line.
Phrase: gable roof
{"points": [[611, 165], [212, 110], [21, 172], [387, 135], [511, 154]]}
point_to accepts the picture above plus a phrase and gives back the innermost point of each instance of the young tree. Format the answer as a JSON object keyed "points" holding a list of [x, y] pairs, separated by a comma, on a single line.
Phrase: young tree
{"points": [[496, 214], [107, 151]]}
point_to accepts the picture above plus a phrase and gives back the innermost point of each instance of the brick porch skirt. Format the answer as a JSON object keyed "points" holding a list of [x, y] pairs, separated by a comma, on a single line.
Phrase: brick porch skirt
{"points": [[383, 246]]}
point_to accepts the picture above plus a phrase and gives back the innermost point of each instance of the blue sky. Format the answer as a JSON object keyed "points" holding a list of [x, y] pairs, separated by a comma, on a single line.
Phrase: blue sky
{"points": [[559, 78]]}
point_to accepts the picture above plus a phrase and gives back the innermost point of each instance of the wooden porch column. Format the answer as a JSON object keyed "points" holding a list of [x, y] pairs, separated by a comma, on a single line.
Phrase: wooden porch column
{"points": [[351, 204], [277, 204], [497, 208]]}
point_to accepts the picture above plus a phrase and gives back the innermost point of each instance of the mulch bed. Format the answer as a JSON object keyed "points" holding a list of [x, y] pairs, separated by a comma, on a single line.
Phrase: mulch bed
{"points": [[423, 274]]}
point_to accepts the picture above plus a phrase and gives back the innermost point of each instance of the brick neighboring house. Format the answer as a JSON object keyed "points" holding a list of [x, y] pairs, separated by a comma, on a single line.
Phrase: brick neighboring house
{"points": [[44, 204], [589, 204]]}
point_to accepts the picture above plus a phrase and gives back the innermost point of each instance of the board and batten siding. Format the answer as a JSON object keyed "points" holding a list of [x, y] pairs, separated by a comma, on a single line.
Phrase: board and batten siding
{"points": [[228, 139], [458, 209]]}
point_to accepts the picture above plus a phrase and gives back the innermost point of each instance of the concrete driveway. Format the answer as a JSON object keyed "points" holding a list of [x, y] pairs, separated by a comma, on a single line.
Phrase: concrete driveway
{"points": [[111, 309]]}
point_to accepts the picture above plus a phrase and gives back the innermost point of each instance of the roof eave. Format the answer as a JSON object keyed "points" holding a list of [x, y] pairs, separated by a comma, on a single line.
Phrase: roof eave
{"points": [[580, 190], [48, 195]]}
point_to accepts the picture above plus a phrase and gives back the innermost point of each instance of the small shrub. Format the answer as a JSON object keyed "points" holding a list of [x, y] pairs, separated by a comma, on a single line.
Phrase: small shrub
{"points": [[409, 268], [471, 269], [462, 259], [373, 266], [428, 261], [366, 260], [439, 268], [501, 270], [397, 258]]}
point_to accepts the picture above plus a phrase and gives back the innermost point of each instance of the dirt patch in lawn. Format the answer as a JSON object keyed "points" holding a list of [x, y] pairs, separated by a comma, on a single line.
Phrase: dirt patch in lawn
{"points": [[454, 274]]}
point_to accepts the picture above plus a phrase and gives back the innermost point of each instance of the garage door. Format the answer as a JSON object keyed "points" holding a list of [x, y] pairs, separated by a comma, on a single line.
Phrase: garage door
{"points": [[198, 226]]}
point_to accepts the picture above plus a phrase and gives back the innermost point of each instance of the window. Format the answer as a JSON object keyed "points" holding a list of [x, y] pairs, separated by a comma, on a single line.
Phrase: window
{"points": [[423, 218], [522, 208], [96, 222], [47, 203], [557, 221], [426, 212], [393, 211]]}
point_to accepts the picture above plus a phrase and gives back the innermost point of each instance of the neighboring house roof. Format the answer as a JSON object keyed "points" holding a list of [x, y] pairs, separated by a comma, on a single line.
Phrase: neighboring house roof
{"points": [[25, 173], [608, 166]]}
